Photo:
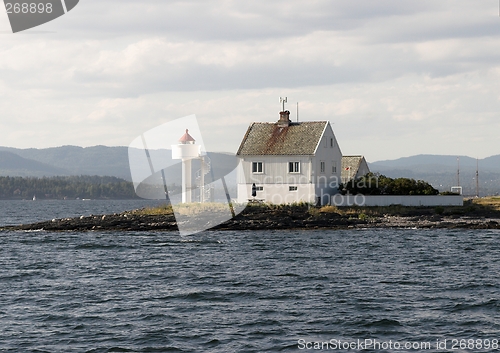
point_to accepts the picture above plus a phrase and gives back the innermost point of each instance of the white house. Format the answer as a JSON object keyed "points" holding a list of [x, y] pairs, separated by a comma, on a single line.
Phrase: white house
{"points": [[285, 162], [353, 167]]}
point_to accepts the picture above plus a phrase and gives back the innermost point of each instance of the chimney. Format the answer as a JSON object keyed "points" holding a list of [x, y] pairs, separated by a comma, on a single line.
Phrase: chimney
{"points": [[284, 119]]}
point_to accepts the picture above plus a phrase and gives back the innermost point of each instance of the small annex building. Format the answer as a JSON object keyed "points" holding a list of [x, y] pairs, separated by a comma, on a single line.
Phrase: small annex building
{"points": [[353, 167], [285, 162]]}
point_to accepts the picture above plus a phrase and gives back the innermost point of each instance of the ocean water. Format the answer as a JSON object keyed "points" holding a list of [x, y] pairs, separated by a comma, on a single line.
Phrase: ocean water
{"points": [[250, 291], [14, 212]]}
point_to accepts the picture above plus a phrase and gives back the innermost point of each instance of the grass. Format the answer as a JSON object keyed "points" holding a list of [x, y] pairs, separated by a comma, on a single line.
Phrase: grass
{"points": [[485, 205], [492, 202], [329, 209], [154, 211], [365, 212], [190, 209], [184, 209]]}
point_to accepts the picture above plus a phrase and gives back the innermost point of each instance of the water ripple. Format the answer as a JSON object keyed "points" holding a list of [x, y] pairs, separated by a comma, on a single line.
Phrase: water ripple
{"points": [[244, 291]]}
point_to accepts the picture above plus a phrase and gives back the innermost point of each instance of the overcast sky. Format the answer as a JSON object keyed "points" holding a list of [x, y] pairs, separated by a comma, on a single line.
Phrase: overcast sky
{"points": [[395, 78]]}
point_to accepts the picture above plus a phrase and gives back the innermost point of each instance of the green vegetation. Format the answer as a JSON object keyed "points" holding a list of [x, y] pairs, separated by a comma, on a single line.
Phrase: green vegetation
{"points": [[373, 184], [84, 187], [482, 207], [492, 203], [187, 209], [448, 193], [302, 208], [439, 209], [486, 206], [155, 211]]}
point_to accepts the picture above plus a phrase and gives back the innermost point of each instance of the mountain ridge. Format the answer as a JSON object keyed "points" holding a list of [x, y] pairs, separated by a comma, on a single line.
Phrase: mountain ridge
{"points": [[442, 171], [490, 163], [75, 160], [438, 170]]}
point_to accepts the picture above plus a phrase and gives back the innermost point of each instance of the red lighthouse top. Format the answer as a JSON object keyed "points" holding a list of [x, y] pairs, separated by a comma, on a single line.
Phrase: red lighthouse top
{"points": [[186, 138]]}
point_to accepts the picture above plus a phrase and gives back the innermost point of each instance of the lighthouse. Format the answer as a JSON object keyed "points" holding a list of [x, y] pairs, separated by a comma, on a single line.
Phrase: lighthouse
{"points": [[186, 150]]}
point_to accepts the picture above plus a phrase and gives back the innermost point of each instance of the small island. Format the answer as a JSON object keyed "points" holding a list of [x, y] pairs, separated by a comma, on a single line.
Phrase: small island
{"points": [[478, 213]]}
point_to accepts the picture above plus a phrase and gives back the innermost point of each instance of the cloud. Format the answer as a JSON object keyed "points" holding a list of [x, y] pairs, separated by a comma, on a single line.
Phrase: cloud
{"points": [[134, 48], [387, 72]]}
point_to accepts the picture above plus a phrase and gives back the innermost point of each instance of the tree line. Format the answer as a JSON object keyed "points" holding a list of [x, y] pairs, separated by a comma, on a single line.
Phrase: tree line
{"points": [[373, 184], [71, 187]]}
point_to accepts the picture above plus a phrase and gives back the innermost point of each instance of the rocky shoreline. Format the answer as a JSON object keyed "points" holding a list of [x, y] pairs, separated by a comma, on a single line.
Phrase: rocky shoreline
{"points": [[259, 218]]}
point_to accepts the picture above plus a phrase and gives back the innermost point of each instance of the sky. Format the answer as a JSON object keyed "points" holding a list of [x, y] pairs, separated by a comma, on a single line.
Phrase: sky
{"points": [[394, 77]]}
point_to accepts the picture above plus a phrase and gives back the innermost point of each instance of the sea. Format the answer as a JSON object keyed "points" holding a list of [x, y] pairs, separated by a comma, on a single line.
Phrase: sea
{"points": [[356, 290]]}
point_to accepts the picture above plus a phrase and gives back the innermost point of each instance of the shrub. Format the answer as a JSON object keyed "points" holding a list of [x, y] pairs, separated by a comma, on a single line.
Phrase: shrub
{"points": [[363, 216], [372, 184], [439, 210]]}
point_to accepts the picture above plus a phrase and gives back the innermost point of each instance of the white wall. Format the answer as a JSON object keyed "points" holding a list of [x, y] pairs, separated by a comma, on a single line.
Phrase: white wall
{"points": [[388, 200], [311, 182], [326, 183], [363, 169], [277, 193], [275, 170], [329, 154]]}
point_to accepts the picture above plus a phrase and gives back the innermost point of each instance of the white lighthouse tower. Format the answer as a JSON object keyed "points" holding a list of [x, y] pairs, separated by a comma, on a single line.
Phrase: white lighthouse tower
{"points": [[186, 150]]}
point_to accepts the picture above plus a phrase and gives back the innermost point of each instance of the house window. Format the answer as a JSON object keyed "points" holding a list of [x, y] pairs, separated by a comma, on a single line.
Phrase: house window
{"points": [[331, 142], [257, 167], [259, 188], [292, 188], [322, 167], [293, 167], [334, 167]]}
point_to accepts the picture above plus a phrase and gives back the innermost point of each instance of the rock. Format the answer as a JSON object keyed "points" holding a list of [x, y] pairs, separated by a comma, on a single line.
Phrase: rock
{"points": [[256, 218]]}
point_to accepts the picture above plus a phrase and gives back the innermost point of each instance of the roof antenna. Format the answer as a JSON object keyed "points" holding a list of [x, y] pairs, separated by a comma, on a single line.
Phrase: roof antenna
{"points": [[297, 111], [283, 101]]}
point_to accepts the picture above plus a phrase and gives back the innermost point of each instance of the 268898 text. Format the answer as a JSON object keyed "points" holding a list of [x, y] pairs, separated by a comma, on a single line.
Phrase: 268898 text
{"points": [[26, 8], [474, 344]]}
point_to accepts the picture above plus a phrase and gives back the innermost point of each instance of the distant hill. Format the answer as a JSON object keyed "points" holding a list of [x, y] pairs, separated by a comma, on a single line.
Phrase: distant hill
{"points": [[72, 160], [493, 162], [97, 160], [12, 164], [438, 170], [440, 162], [65, 187], [441, 171]]}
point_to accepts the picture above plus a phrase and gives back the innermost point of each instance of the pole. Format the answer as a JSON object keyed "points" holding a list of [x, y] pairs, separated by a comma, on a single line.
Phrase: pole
{"points": [[186, 180], [477, 177], [202, 180], [283, 101], [228, 197]]}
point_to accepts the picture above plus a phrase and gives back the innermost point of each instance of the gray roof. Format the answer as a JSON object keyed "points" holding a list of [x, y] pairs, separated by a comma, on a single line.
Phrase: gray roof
{"points": [[350, 166], [270, 139]]}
